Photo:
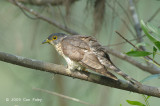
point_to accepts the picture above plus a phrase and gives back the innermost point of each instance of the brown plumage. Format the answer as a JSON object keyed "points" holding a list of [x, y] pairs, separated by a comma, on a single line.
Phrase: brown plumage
{"points": [[82, 52], [81, 49]]}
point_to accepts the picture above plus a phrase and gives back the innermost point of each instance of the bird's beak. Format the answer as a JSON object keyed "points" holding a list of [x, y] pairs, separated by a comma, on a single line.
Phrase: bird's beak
{"points": [[45, 41]]}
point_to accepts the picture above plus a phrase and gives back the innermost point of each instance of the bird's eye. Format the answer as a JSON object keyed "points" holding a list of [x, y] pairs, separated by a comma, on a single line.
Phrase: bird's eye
{"points": [[54, 37]]}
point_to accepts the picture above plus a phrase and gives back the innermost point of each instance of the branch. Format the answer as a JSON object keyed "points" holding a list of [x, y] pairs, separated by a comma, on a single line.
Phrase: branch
{"points": [[147, 68], [123, 42], [63, 96], [126, 13], [123, 20], [43, 2], [137, 26], [154, 15], [87, 76], [53, 22]]}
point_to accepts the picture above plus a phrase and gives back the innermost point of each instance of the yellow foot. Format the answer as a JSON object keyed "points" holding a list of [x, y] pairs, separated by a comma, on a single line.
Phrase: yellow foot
{"points": [[84, 69], [68, 71]]}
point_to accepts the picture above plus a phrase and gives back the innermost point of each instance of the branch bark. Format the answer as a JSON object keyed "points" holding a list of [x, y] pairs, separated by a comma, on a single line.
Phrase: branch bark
{"points": [[43, 2], [137, 26], [87, 76]]}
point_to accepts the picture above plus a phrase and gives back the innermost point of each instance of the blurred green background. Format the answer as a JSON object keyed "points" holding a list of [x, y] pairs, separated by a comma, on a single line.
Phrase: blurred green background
{"points": [[22, 36]]}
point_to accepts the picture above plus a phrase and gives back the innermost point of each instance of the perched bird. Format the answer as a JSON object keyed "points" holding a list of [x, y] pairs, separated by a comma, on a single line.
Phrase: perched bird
{"points": [[81, 52]]}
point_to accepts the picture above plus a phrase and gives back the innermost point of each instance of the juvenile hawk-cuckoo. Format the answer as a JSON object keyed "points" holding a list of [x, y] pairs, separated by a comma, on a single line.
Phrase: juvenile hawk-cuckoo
{"points": [[81, 52]]}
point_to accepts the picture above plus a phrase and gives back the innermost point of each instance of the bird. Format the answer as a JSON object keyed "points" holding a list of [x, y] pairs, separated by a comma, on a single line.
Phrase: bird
{"points": [[83, 52]]}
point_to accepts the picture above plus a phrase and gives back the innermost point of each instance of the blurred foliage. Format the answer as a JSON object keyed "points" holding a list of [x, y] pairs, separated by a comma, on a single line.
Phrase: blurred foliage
{"points": [[22, 36], [137, 103], [155, 36], [138, 53]]}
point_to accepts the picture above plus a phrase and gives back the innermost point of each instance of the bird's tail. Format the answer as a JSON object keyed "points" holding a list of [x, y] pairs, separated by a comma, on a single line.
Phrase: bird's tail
{"points": [[107, 73], [125, 76]]}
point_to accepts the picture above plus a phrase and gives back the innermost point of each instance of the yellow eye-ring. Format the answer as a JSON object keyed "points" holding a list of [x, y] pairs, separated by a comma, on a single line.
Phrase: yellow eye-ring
{"points": [[54, 37]]}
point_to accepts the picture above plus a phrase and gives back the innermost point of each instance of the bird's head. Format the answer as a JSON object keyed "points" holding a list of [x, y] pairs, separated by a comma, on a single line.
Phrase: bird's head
{"points": [[54, 38]]}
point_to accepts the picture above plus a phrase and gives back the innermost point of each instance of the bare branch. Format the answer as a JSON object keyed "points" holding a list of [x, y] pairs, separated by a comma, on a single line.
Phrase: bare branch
{"points": [[43, 2], [147, 68], [123, 20], [63, 96], [122, 7], [123, 42], [137, 26], [154, 15], [87, 76], [127, 40], [53, 22]]}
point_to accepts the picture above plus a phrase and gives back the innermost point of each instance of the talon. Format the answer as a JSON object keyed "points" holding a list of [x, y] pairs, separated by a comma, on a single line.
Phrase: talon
{"points": [[84, 69], [68, 71]]}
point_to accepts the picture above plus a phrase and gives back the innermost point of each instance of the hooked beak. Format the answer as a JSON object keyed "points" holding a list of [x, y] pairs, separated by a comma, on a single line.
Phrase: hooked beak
{"points": [[45, 41]]}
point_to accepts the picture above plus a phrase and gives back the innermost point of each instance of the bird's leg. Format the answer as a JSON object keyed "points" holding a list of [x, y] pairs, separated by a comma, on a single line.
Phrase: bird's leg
{"points": [[69, 68], [82, 69]]}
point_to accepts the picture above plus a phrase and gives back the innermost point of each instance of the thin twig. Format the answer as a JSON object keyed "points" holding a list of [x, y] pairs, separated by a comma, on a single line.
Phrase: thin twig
{"points": [[43, 2], [33, 18], [122, 7], [136, 47], [53, 22], [127, 40], [122, 56], [63, 96], [154, 15], [124, 22], [118, 44], [87, 76]]}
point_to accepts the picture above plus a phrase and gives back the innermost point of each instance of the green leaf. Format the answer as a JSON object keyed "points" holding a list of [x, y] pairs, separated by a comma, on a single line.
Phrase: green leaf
{"points": [[148, 97], [153, 29], [146, 31], [154, 51], [151, 77], [157, 43], [138, 53], [135, 103], [120, 104], [141, 44], [155, 36]]}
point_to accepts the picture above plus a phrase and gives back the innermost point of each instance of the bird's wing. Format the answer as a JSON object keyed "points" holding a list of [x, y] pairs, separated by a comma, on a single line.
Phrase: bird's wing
{"points": [[82, 49], [78, 50], [104, 60], [98, 51]]}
